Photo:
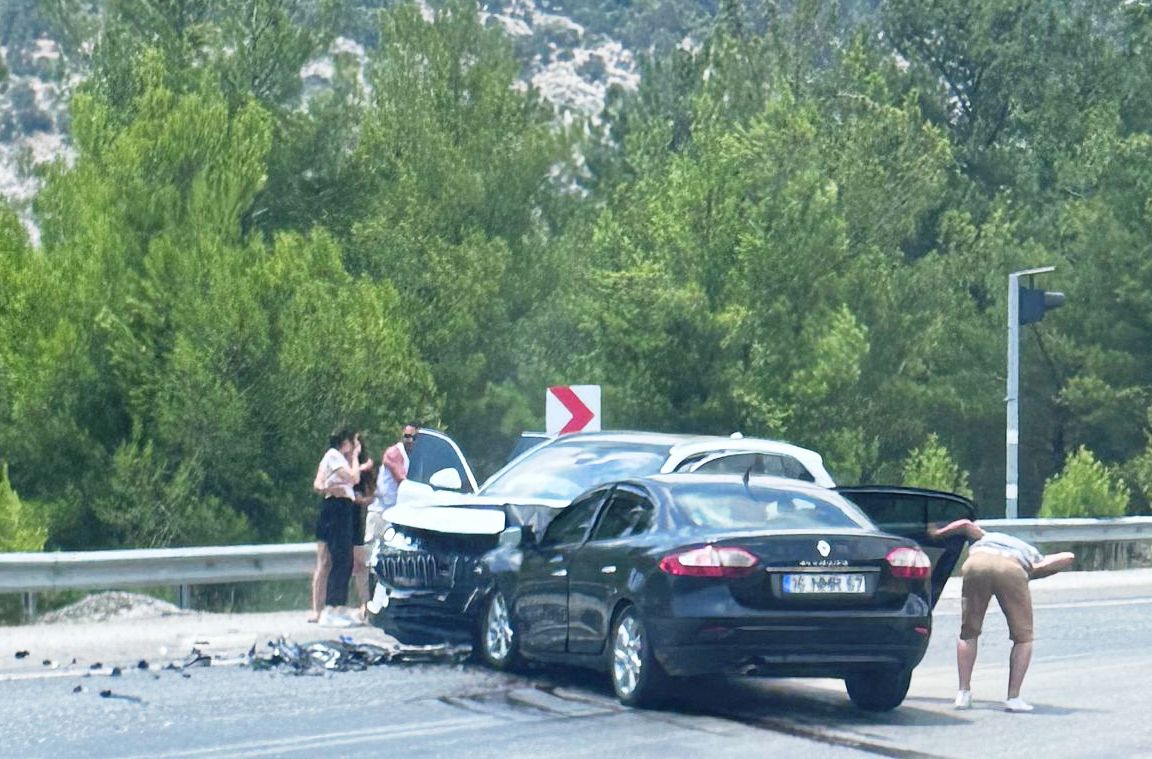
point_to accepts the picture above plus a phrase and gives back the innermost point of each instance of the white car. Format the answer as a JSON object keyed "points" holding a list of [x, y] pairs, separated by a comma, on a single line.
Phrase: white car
{"points": [[554, 471]]}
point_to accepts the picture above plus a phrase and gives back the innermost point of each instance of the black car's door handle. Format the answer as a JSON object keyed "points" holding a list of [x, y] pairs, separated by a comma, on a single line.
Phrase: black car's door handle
{"points": [[559, 573], [610, 569]]}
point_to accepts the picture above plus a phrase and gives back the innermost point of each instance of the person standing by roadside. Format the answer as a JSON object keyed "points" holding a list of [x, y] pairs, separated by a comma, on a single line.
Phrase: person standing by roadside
{"points": [[364, 497], [393, 470], [998, 565], [338, 472]]}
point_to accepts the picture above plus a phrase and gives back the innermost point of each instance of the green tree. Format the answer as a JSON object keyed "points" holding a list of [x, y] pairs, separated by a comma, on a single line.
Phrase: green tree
{"points": [[190, 373], [1085, 488], [22, 527], [931, 466], [459, 211]]}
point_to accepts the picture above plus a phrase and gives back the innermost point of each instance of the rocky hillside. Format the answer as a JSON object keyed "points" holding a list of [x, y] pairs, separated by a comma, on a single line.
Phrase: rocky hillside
{"points": [[33, 118], [573, 53]]}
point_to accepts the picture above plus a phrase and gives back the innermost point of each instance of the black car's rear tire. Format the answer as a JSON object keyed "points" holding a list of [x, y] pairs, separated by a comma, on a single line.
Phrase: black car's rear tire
{"points": [[496, 639], [878, 690], [637, 677]]}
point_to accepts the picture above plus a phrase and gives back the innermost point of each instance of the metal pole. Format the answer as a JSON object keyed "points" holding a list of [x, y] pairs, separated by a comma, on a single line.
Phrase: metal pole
{"points": [[1012, 437]]}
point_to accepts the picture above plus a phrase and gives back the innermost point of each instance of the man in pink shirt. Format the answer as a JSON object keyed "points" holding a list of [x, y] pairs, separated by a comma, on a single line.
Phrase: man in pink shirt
{"points": [[392, 471], [394, 468]]}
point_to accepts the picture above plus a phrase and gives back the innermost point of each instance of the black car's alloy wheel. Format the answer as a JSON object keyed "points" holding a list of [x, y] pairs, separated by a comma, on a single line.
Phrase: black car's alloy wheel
{"points": [[636, 675], [878, 690], [498, 645]]}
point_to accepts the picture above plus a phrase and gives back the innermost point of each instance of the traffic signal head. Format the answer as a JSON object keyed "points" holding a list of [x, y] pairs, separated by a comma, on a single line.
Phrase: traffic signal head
{"points": [[1034, 303]]}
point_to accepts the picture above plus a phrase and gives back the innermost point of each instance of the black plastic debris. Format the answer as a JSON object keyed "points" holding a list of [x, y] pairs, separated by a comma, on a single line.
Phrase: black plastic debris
{"points": [[197, 659], [107, 693], [47, 662], [78, 689], [346, 655], [115, 672], [21, 654], [142, 664], [96, 665]]}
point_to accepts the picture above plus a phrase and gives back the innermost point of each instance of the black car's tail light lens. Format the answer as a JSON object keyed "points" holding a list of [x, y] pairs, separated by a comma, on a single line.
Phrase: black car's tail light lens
{"points": [[909, 563], [710, 561]]}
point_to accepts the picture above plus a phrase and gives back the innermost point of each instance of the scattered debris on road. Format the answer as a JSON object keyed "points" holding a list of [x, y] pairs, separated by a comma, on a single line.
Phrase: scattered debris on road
{"points": [[346, 655], [121, 696]]}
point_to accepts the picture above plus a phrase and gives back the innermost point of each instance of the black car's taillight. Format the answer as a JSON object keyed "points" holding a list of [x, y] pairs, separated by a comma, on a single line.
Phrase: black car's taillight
{"points": [[710, 561], [909, 563]]}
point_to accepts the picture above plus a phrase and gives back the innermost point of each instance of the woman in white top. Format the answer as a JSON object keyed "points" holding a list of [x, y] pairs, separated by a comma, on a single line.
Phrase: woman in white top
{"points": [[337, 474]]}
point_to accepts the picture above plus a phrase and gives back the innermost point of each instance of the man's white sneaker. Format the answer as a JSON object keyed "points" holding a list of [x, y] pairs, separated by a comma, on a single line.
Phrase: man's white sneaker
{"points": [[1017, 705], [963, 700]]}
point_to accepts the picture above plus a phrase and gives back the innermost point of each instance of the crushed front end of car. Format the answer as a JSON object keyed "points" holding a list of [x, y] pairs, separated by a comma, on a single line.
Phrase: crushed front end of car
{"points": [[428, 578], [429, 567]]}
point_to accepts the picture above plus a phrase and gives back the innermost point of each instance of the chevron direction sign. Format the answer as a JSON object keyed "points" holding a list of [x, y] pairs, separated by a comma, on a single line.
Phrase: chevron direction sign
{"points": [[572, 408]]}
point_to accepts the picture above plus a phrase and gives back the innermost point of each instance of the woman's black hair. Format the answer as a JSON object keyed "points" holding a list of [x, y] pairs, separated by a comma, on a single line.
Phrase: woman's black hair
{"points": [[337, 438]]}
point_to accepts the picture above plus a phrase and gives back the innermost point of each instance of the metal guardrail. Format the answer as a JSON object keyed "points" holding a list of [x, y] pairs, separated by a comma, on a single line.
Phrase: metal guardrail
{"points": [[1070, 530], [30, 573]]}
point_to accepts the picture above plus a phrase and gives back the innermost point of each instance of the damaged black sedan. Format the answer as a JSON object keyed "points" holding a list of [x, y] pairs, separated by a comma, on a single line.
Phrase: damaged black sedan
{"points": [[654, 578]]}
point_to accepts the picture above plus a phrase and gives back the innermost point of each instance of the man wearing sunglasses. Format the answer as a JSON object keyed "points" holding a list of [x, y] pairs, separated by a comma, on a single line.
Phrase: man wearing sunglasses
{"points": [[393, 471]]}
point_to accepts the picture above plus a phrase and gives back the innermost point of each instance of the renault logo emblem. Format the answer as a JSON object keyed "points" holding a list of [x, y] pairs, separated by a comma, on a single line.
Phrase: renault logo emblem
{"points": [[824, 548]]}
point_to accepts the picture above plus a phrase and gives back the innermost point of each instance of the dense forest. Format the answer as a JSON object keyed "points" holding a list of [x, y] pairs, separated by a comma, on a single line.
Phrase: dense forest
{"points": [[799, 224]]}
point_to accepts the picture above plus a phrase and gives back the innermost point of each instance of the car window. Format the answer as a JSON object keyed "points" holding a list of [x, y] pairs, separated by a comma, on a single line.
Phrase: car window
{"points": [[571, 524], [910, 513], [526, 441], [777, 464], [429, 455], [625, 514], [733, 506], [563, 470]]}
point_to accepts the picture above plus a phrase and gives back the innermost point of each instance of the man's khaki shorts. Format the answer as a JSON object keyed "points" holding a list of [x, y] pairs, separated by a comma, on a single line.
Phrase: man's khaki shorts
{"points": [[987, 574]]}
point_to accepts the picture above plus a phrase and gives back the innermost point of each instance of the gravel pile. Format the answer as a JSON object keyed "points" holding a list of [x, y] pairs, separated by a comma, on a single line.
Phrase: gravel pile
{"points": [[101, 607]]}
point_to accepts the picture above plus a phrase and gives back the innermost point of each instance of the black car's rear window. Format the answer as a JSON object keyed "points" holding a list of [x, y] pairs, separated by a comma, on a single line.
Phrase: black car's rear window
{"points": [[734, 506]]}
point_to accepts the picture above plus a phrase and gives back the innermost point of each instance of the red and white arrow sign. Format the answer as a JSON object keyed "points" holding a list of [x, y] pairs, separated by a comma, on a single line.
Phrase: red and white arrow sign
{"points": [[572, 408]]}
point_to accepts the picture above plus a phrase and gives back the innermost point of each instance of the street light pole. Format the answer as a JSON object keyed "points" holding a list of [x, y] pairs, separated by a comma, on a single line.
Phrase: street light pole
{"points": [[1012, 399]]}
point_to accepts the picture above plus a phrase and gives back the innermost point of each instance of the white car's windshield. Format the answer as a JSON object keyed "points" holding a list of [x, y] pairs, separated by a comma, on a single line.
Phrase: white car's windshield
{"points": [[564, 470]]}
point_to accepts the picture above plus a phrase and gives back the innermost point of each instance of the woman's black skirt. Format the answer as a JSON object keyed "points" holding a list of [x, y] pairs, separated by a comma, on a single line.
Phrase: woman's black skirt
{"points": [[336, 522]]}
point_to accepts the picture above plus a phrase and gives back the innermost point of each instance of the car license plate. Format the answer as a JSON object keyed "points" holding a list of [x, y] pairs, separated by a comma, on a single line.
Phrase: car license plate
{"points": [[841, 582]]}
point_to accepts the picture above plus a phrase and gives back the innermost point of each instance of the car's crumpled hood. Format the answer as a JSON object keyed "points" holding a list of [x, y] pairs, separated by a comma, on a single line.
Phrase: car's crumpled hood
{"points": [[456, 519]]}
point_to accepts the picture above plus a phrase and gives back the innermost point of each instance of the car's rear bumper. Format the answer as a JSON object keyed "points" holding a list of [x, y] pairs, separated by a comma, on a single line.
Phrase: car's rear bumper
{"points": [[788, 646]]}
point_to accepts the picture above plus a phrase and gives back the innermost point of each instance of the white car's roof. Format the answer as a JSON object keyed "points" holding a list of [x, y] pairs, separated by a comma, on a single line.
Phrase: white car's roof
{"points": [[811, 460]]}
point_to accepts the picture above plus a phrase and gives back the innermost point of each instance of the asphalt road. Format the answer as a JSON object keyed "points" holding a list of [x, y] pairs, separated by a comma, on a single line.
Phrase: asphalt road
{"points": [[1089, 681]]}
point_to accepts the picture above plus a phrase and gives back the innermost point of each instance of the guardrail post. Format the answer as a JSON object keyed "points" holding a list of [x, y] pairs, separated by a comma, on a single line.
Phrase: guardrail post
{"points": [[28, 602], [184, 596]]}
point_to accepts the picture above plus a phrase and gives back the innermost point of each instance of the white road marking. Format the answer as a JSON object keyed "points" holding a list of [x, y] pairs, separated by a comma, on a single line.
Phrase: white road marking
{"points": [[324, 741]]}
